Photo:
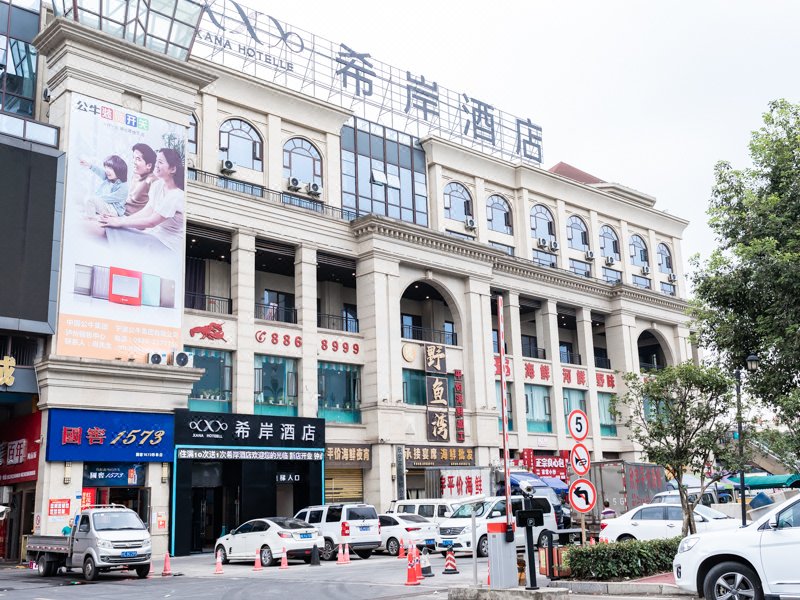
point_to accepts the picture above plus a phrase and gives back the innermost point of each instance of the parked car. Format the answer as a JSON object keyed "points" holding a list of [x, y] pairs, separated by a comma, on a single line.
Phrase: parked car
{"points": [[411, 529], [270, 537], [710, 496], [456, 532], [661, 521], [757, 561], [435, 509], [362, 520]]}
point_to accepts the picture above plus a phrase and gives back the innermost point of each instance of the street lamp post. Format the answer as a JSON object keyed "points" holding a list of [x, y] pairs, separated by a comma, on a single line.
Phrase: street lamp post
{"points": [[752, 365]]}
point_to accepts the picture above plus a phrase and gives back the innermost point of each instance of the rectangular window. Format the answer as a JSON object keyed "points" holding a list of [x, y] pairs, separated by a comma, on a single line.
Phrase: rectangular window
{"points": [[275, 391], [544, 259], [641, 282], [507, 249], [350, 318], [612, 275], [339, 387], [213, 392], [537, 409], [459, 235], [414, 387], [579, 267], [608, 424], [510, 405], [412, 326], [667, 288], [449, 333], [276, 306], [573, 400], [530, 347]]}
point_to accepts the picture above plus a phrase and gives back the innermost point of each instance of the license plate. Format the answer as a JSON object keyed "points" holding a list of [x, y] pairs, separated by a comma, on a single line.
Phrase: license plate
{"points": [[364, 528], [129, 554], [429, 542], [305, 536], [447, 542]]}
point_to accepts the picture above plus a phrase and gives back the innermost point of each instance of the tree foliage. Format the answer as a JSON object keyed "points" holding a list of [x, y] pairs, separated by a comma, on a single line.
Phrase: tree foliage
{"points": [[682, 418], [746, 294]]}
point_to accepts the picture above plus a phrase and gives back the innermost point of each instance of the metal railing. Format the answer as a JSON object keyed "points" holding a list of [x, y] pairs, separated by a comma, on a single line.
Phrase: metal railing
{"points": [[645, 366], [270, 312], [534, 352], [602, 362], [337, 322], [570, 358], [214, 304], [425, 334]]}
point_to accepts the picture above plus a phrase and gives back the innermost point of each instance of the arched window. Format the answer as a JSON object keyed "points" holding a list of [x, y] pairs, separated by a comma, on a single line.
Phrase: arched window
{"points": [[498, 214], [457, 202], [609, 242], [191, 138], [664, 259], [577, 234], [542, 223], [240, 143], [302, 160], [638, 250]]}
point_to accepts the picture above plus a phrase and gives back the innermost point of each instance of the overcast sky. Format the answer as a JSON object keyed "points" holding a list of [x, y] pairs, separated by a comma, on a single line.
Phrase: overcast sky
{"points": [[648, 94]]}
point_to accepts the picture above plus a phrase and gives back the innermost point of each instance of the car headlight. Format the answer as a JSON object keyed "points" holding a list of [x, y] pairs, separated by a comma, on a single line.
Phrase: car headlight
{"points": [[467, 529], [101, 543], [687, 544], [147, 541]]}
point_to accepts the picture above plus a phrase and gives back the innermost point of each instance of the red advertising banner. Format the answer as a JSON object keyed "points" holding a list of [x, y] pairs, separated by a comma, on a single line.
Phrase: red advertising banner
{"points": [[88, 497], [19, 449], [547, 465]]}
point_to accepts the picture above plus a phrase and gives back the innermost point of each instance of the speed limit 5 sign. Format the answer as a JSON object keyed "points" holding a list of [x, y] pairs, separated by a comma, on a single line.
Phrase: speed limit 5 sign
{"points": [[578, 424]]}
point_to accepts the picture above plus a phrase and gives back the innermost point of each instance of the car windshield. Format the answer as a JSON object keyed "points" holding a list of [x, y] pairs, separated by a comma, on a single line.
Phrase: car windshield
{"points": [[286, 523], [549, 493], [710, 513], [117, 520], [465, 510], [361, 512], [413, 518]]}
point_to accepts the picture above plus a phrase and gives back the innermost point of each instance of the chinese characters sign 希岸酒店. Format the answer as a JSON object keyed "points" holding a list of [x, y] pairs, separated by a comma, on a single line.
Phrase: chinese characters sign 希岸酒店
{"points": [[259, 45], [267, 431], [348, 455], [19, 449], [104, 435], [439, 456]]}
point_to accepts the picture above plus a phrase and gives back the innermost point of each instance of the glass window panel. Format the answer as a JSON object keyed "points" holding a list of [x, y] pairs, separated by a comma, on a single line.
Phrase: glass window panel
{"points": [[393, 211], [362, 142], [391, 152], [407, 215], [419, 161], [181, 34], [376, 147], [24, 24], [349, 184], [3, 20], [20, 67], [422, 219], [364, 175], [34, 5], [158, 25], [349, 200], [405, 157], [39, 133], [348, 141]]}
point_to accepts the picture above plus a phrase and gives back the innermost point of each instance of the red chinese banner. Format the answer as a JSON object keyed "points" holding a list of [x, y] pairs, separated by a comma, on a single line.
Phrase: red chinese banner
{"points": [[58, 507], [546, 465], [88, 497], [19, 449]]}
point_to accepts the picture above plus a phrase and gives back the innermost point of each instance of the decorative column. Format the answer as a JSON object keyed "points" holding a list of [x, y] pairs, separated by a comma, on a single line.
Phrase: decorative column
{"points": [[243, 274], [305, 300], [514, 343], [586, 345], [549, 317]]}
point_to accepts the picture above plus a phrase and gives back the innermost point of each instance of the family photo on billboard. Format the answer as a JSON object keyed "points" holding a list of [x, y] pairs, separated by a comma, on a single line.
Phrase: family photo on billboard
{"points": [[124, 233]]}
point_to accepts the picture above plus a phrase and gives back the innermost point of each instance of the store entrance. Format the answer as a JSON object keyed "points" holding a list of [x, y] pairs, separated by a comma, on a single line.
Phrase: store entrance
{"points": [[206, 518], [216, 489]]}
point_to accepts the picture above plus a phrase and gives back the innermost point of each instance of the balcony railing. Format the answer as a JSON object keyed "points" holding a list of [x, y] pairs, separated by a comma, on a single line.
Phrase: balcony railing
{"points": [[337, 322], [270, 312], [645, 366], [570, 358], [534, 353], [602, 362], [434, 336], [214, 304], [259, 191]]}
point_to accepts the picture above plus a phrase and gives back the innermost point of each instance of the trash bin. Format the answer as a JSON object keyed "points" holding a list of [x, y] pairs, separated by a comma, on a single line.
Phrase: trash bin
{"points": [[761, 499], [559, 567]]}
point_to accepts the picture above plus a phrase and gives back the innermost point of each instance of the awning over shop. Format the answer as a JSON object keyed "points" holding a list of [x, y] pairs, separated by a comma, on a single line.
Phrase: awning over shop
{"points": [[766, 482], [558, 486]]}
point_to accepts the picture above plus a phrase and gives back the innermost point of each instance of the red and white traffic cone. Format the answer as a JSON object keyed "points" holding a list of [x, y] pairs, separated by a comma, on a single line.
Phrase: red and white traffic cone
{"points": [[167, 572], [257, 564], [340, 556], [417, 564], [347, 553], [284, 560], [218, 568], [402, 553], [450, 564], [411, 573]]}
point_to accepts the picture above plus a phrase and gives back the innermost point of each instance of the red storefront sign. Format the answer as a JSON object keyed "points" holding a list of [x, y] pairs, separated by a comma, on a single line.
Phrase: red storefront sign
{"points": [[88, 497], [546, 465], [19, 449]]}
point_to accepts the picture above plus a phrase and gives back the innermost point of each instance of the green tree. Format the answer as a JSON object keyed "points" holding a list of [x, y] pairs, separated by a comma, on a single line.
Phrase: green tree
{"points": [[746, 294], [682, 418]]}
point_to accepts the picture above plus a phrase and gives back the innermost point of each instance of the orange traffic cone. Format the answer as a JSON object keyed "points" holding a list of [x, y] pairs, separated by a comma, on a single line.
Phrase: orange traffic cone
{"points": [[284, 560], [340, 556], [257, 564], [402, 553], [450, 564], [417, 564], [411, 573], [591, 541], [167, 572], [218, 568], [347, 553]]}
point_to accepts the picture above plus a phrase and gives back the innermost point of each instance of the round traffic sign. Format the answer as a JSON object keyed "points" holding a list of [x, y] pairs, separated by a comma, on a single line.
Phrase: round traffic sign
{"points": [[579, 459], [582, 495], [578, 424]]}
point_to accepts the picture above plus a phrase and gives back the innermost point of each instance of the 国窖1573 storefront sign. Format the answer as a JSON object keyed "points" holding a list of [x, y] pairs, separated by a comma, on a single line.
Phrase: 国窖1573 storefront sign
{"points": [[257, 44]]}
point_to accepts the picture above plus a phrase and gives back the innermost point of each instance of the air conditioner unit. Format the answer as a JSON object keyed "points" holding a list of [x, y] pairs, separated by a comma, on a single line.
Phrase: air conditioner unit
{"points": [[589, 255], [227, 167], [554, 245], [313, 189], [294, 184], [157, 358], [183, 359], [610, 260], [645, 270], [542, 242], [469, 223], [672, 277]]}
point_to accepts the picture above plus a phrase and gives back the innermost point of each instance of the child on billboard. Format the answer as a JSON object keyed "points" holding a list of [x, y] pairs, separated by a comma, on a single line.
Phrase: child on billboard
{"points": [[111, 194]]}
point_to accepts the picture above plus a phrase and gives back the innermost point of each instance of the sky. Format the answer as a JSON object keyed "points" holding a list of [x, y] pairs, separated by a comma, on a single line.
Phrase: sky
{"points": [[648, 94]]}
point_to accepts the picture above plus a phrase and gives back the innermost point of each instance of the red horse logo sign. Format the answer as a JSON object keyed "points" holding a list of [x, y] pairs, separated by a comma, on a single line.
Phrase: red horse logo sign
{"points": [[212, 331]]}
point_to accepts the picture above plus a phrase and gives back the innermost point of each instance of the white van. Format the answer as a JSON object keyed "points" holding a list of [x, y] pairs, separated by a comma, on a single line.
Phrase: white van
{"points": [[362, 519], [433, 509], [456, 532]]}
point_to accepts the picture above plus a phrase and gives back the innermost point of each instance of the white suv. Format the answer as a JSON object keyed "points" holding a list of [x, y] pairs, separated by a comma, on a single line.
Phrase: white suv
{"points": [[362, 519], [456, 532], [758, 561]]}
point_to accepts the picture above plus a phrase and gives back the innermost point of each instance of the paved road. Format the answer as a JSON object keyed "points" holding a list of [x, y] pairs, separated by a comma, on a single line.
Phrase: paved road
{"points": [[379, 578]]}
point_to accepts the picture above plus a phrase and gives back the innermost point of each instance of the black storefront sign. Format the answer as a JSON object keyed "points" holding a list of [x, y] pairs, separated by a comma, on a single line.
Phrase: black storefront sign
{"points": [[439, 456], [435, 359], [232, 430]]}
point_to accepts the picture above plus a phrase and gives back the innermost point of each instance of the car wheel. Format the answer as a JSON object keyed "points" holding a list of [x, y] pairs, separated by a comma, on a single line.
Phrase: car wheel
{"points": [[363, 554], [543, 541], [267, 560], [626, 538], [328, 550], [393, 546], [732, 580], [43, 567], [220, 551], [89, 569], [143, 571], [483, 546]]}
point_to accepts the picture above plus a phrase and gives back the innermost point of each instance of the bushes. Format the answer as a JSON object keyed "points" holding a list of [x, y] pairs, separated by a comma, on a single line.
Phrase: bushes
{"points": [[619, 560]]}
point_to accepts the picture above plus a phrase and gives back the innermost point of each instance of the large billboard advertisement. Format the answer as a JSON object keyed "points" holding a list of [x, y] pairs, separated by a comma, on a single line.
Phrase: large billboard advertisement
{"points": [[121, 292]]}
